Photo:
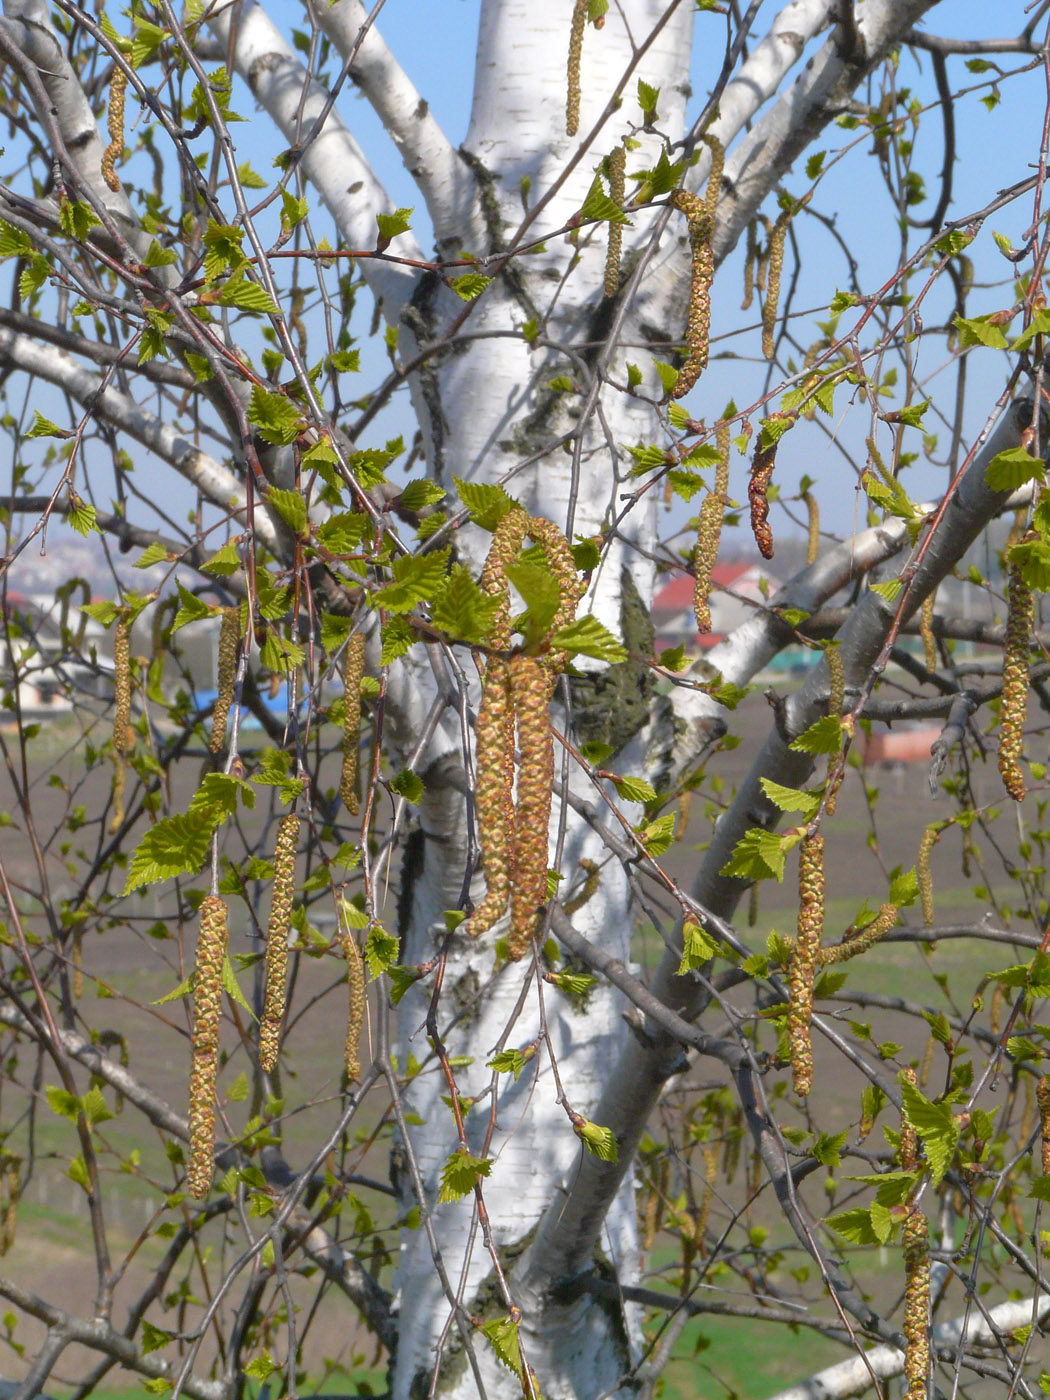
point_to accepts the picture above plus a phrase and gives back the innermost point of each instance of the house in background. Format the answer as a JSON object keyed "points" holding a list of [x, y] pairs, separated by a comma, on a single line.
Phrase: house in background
{"points": [[736, 590]]}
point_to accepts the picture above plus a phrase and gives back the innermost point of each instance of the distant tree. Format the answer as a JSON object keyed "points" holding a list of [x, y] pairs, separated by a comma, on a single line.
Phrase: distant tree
{"points": [[474, 765]]}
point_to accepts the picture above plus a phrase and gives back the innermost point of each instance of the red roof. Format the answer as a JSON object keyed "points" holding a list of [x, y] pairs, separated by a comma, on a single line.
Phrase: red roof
{"points": [[678, 593]]}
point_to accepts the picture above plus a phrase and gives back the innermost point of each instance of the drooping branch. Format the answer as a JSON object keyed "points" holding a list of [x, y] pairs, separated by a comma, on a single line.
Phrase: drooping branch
{"points": [[443, 179], [332, 160]]}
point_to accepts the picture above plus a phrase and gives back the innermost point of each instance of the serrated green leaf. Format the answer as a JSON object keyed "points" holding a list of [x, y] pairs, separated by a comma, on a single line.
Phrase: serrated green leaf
{"points": [[276, 419], [508, 1062], [280, 654], [935, 1126], [417, 578], [391, 225], [634, 789], [854, 1225], [174, 846], [290, 506], [978, 330], [1010, 469], [698, 947], [586, 636], [487, 503], [460, 1175], [600, 1142], [62, 1102], [14, 243], [462, 610], [1039, 325], [421, 493], [153, 554], [758, 855], [231, 988], [408, 785], [599, 206], [502, 1334], [381, 949], [470, 285], [247, 296], [823, 737], [398, 637], [791, 799], [224, 561]]}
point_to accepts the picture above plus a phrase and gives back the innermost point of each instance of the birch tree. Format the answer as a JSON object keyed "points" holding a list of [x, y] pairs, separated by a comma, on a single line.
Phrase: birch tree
{"points": [[405, 470]]}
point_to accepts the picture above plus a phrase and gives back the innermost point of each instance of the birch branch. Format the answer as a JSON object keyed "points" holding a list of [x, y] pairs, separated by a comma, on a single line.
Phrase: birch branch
{"points": [[90, 390], [429, 157], [331, 159], [859, 1373]]}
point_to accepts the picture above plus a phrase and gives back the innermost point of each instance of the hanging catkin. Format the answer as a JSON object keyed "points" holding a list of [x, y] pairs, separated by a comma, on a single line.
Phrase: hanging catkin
{"points": [[229, 643], [123, 738], [863, 939], [709, 533], [762, 464], [930, 836], [802, 966], [533, 812], [617, 166], [813, 537], [698, 322], [929, 642], [750, 259], [355, 977], [277, 940], [1014, 701], [572, 102], [207, 1005], [772, 296], [1042, 1099], [916, 1302], [117, 91], [353, 673]]}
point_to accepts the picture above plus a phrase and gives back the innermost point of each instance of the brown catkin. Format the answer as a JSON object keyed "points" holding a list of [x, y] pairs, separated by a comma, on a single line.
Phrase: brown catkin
{"points": [[765, 459], [698, 324], [802, 965], [353, 674], [355, 978], [207, 1005], [863, 939], [122, 735], [117, 90], [703, 1214], [617, 166], [1042, 1098], [493, 794], [588, 889], [116, 815], [836, 679], [813, 538], [772, 297], [929, 642], [572, 101], [533, 812], [929, 839], [229, 644], [10, 1192], [1014, 700], [909, 1143], [916, 1303], [277, 940], [709, 533]]}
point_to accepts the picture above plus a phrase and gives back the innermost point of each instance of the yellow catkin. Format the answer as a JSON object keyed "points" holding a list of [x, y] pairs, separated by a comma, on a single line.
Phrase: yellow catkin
{"points": [[709, 533], [703, 1214], [277, 940], [207, 1006], [813, 538], [353, 673], [117, 91], [122, 735], [929, 839], [836, 679], [533, 811], [802, 965], [929, 642], [772, 297], [589, 888], [1042, 1098], [927, 1060], [1014, 702], [714, 178], [916, 1302], [698, 323], [863, 939], [750, 259], [617, 165], [762, 465], [355, 977], [995, 1009], [10, 1193], [229, 644], [116, 816], [572, 101], [909, 1143]]}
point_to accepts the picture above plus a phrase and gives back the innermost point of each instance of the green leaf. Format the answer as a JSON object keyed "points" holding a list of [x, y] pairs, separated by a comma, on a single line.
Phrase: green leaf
{"points": [[586, 636], [935, 1126], [854, 1225], [1039, 325], [417, 578], [828, 1148], [153, 554], [153, 1338], [43, 427], [508, 1062], [978, 330], [62, 1102], [487, 504], [277, 419], [460, 1175], [191, 609], [1032, 558], [247, 296], [698, 947], [223, 562], [842, 301], [408, 785], [911, 416], [1012, 468], [634, 789], [421, 493], [81, 516], [381, 949], [174, 846], [462, 610], [14, 243], [502, 1332], [231, 988], [791, 799], [470, 285], [599, 206], [291, 507], [758, 855], [390, 225], [656, 836], [600, 1142], [904, 887], [343, 533], [823, 737], [280, 654], [648, 97], [398, 637]]}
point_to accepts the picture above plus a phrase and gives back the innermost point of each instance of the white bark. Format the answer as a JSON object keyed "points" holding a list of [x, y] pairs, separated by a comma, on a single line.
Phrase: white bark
{"points": [[857, 1375], [91, 391], [333, 161]]}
